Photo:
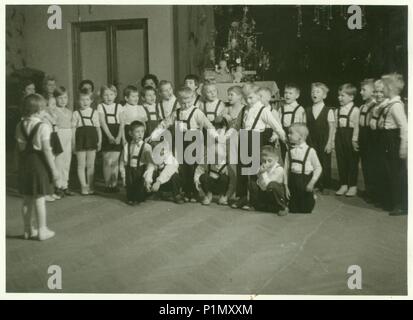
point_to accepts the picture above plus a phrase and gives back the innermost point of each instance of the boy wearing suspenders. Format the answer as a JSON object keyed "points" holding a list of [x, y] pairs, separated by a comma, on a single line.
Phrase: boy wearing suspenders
{"points": [[291, 112], [347, 119], [186, 118], [393, 143], [365, 136], [302, 170], [136, 165], [168, 103], [253, 117]]}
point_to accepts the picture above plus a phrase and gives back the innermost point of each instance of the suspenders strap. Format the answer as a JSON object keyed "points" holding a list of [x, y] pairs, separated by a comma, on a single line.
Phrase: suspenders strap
{"points": [[346, 117], [257, 118], [175, 104], [216, 108], [242, 116], [110, 115], [305, 160], [386, 111], [29, 137], [82, 118], [196, 100], [289, 112], [293, 114], [302, 162], [188, 121], [138, 157], [161, 111]]}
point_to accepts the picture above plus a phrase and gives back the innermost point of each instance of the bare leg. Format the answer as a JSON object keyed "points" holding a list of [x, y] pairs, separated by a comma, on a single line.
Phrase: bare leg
{"points": [[44, 232], [27, 208], [90, 169], [81, 170], [107, 168], [115, 168]]}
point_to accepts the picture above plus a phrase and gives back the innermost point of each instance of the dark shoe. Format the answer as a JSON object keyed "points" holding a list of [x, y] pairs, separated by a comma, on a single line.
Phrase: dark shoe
{"points": [[242, 202], [67, 192], [282, 213], [60, 193], [179, 200]]}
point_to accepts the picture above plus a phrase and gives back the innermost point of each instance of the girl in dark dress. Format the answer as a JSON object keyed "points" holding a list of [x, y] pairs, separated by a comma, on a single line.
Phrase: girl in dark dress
{"points": [[36, 168]]}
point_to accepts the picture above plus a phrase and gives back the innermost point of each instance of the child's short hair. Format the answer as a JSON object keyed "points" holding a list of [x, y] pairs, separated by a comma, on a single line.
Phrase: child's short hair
{"points": [[149, 76], [301, 128], [249, 88], [25, 83], [59, 91], [235, 89], [220, 123], [85, 92], [147, 89], [378, 82], [394, 81], [193, 77], [32, 104], [110, 87], [47, 79], [184, 91], [266, 90], [128, 90], [268, 151], [135, 124], [294, 86], [164, 83], [367, 82], [320, 85], [348, 88], [86, 81]]}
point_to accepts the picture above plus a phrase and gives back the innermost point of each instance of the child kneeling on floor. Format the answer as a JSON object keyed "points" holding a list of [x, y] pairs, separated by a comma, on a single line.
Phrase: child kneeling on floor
{"points": [[302, 170], [268, 192], [166, 172], [136, 165]]}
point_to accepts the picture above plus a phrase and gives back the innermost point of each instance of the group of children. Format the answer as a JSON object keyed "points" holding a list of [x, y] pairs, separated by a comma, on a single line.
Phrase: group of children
{"points": [[296, 144]]}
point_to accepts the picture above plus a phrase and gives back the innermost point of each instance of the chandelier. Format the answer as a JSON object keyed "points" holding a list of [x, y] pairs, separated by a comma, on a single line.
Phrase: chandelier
{"points": [[324, 15]]}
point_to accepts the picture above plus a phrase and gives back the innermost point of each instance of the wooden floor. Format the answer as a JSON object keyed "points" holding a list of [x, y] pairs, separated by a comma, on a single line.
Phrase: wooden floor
{"points": [[105, 246]]}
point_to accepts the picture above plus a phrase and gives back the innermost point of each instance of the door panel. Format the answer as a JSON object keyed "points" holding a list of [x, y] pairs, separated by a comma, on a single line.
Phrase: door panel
{"points": [[130, 57], [110, 52], [93, 57]]}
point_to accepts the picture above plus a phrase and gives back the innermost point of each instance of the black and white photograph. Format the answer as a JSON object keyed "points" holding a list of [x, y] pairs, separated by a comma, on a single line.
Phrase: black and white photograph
{"points": [[251, 149]]}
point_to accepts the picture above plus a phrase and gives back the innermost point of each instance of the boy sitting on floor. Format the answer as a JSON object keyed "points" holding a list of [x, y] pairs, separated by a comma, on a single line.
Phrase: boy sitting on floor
{"points": [[267, 193]]}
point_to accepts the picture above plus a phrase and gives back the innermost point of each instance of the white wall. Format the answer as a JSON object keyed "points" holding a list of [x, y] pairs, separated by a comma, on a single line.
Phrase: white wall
{"points": [[50, 50]]}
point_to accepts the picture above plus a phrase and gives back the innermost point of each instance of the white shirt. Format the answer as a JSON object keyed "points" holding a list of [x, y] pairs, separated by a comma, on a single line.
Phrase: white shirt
{"points": [[288, 118], [396, 117], [298, 153], [168, 106], [276, 173], [132, 113], [110, 110], [266, 118], [344, 110], [376, 121], [153, 112], [209, 107], [77, 121], [364, 119], [318, 107], [27, 124]]}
